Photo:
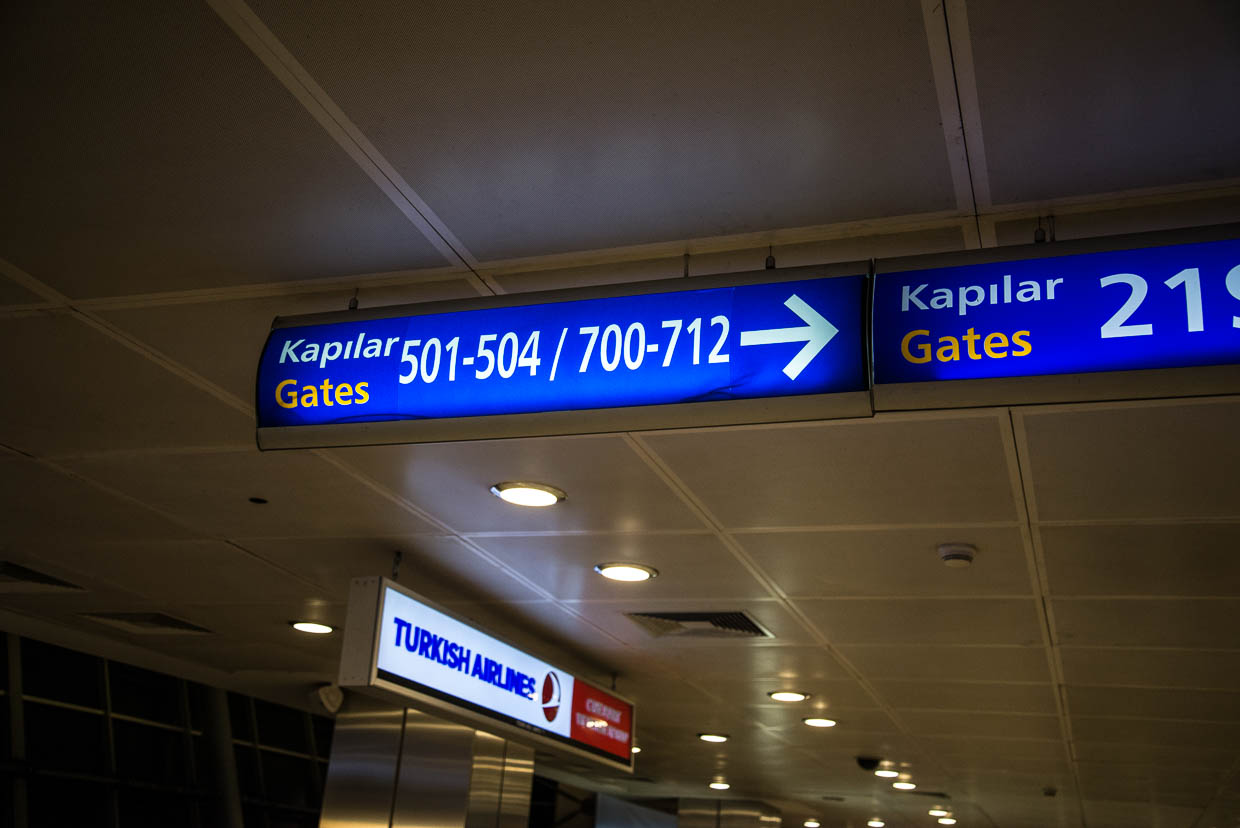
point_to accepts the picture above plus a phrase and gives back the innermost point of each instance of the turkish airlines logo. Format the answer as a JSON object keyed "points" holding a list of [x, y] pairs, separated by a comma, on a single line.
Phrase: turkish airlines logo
{"points": [[551, 696]]}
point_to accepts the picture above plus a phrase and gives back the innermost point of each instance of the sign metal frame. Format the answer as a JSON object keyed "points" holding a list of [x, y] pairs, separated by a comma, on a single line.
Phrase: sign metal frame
{"points": [[791, 408], [359, 670]]}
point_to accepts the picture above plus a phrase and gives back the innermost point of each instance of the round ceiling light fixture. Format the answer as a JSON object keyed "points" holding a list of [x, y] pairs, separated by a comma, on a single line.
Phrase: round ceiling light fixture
{"points": [[811, 823], [788, 696], [887, 770], [713, 737], [903, 786], [719, 785], [814, 721], [312, 627], [536, 495], [635, 749], [939, 812], [626, 571], [876, 823], [946, 821]]}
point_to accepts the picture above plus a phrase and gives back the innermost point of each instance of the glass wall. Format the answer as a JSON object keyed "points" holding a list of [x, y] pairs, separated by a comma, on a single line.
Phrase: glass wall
{"points": [[86, 741]]}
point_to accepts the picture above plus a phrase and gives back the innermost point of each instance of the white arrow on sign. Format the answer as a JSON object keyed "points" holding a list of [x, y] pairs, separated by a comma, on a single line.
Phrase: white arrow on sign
{"points": [[816, 333]]}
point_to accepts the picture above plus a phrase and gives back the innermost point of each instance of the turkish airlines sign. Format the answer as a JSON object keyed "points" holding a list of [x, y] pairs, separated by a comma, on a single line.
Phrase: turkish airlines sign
{"points": [[423, 652]]}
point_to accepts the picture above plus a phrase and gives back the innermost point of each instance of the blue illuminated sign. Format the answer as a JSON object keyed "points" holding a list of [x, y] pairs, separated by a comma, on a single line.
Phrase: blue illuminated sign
{"points": [[730, 343], [1158, 307]]}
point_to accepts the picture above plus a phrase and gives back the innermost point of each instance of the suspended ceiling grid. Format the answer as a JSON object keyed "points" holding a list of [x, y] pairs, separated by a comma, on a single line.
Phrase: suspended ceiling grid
{"points": [[183, 174]]}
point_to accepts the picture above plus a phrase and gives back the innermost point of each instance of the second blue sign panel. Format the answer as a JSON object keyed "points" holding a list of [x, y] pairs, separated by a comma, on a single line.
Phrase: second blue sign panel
{"points": [[1159, 307]]}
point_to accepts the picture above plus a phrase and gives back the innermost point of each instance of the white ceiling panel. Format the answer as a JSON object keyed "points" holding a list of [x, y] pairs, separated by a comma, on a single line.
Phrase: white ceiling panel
{"points": [[1061, 94], [183, 572], [93, 393], [1156, 559], [1220, 735], [1166, 461], [306, 496], [850, 473], [436, 567], [1191, 623], [578, 126], [1154, 668], [189, 165], [769, 614], [963, 695], [998, 750], [901, 562], [1139, 752], [694, 566], [222, 340], [1155, 703], [759, 663], [1103, 814], [974, 621], [981, 725], [453, 480], [947, 663], [41, 504], [14, 294], [824, 694]]}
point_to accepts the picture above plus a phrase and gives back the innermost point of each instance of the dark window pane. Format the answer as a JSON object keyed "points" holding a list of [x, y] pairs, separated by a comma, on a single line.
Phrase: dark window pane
{"points": [[139, 692], [6, 746], [204, 764], [60, 803], [287, 819], [197, 705], [280, 726], [56, 673], [153, 809], [4, 661], [239, 717], [247, 772], [323, 728], [289, 780], [254, 817], [150, 754], [62, 739]]}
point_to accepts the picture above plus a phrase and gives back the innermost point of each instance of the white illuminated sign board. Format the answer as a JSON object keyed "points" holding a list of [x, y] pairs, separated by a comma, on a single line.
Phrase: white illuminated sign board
{"points": [[395, 641]]}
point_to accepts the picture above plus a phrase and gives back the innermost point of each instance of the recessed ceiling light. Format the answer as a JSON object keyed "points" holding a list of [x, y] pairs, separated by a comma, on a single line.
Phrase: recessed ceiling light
{"points": [[788, 696], [713, 737], [719, 786], [811, 823], [938, 812], [527, 494], [816, 722], [947, 821], [311, 627], [635, 749], [903, 786], [886, 773], [626, 571], [876, 823]]}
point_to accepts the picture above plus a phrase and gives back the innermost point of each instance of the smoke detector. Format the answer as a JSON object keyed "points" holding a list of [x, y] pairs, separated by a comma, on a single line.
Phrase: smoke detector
{"points": [[957, 555]]}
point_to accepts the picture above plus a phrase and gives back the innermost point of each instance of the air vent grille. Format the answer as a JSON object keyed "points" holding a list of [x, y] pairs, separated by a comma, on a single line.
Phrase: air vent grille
{"points": [[15, 578], [736, 624], [147, 623]]}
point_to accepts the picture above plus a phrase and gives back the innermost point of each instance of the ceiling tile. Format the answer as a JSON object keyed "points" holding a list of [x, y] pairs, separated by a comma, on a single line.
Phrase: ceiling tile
{"points": [[85, 391], [306, 496], [935, 663], [41, 504], [973, 696], [222, 340], [1104, 814], [845, 472], [12, 293], [689, 566], [608, 486], [981, 725], [758, 664], [768, 614], [1220, 735], [1138, 622], [896, 562], [1137, 752], [1156, 668], [590, 141], [1155, 461], [438, 568], [1000, 750], [1142, 702], [824, 694], [200, 169], [975, 621], [182, 572], [1060, 94], [1179, 559]]}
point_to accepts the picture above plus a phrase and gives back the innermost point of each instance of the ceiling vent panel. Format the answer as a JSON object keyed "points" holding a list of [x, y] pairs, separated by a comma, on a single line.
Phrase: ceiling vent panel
{"points": [[736, 624], [146, 623], [17, 579]]}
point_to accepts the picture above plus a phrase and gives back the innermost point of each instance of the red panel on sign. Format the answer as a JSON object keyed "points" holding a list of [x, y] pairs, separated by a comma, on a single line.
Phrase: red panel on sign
{"points": [[602, 720]]}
